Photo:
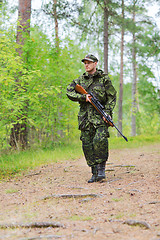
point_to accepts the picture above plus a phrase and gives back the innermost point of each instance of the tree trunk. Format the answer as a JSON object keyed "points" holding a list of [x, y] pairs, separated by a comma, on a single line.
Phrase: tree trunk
{"points": [[120, 112], [56, 24], [106, 25], [134, 102], [23, 27], [19, 132]]}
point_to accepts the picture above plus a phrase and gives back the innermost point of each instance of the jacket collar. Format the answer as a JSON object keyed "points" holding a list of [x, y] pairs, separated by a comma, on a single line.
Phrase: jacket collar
{"points": [[98, 72]]}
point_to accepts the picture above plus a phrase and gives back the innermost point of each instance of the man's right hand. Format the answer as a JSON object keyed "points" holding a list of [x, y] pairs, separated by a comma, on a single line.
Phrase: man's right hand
{"points": [[88, 98]]}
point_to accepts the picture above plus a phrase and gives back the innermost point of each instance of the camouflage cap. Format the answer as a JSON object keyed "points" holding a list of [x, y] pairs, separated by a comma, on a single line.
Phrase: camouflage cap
{"points": [[90, 57]]}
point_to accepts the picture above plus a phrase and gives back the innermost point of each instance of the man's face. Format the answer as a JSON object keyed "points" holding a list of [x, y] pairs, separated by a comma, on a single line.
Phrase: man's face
{"points": [[90, 67]]}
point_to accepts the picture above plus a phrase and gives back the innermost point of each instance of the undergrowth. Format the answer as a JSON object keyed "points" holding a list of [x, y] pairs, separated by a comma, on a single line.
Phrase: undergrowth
{"points": [[15, 162]]}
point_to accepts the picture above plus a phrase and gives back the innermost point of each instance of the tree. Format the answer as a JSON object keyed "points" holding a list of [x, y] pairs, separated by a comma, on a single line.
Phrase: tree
{"points": [[18, 137], [109, 8], [144, 47], [106, 35], [56, 23], [120, 112], [51, 10], [134, 83], [58, 10]]}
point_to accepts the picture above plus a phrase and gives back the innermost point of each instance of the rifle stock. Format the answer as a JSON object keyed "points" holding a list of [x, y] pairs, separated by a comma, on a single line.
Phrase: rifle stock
{"points": [[97, 105], [80, 89]]}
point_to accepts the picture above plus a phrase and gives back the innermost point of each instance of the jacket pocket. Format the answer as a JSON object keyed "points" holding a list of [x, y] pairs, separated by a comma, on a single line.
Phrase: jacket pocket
{"points": [[82, 120]]}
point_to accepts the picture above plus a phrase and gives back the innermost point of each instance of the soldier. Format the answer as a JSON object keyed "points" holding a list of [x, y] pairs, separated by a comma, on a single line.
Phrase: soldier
{"points": [[94, 131]]}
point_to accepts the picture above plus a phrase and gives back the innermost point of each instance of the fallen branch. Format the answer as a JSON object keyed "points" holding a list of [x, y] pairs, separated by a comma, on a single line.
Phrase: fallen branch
{"points": [[113, 180], [43, 237], [154, 202], [32, 225], [137, 223], [33, 174], [71, 196]]}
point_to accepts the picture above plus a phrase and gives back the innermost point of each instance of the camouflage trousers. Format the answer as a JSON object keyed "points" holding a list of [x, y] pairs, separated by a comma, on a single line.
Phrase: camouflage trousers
{"points": [[95, 144]]}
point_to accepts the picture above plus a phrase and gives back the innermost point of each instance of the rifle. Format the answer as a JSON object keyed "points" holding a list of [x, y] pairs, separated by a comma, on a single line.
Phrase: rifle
{"points": [[99, 107]]}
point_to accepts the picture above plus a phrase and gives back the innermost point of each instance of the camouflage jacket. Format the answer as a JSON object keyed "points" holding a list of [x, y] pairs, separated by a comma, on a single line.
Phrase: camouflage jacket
{"points": [[100, 85]]}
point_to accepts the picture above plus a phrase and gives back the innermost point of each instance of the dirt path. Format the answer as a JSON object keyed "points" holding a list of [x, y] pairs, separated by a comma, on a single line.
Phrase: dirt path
{"points": [[130, 192]]}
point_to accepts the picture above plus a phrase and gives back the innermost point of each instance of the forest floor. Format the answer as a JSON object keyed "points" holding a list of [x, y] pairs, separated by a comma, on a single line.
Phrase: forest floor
{"points": [[58, 194]]}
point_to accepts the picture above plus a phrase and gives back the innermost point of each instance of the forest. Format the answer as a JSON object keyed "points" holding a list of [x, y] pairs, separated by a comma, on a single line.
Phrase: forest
{"points": [[40, 54]]}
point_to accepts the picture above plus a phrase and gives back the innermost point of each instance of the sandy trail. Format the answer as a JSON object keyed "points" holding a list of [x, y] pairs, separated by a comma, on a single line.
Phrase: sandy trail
{"points": [[89, 211]]}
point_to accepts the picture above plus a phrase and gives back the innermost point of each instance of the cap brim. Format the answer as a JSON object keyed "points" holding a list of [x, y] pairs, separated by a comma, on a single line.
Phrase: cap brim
{"points": [[87, 59]]}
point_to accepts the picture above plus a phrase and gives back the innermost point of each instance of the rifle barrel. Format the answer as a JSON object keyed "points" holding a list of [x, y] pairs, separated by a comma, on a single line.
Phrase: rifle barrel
{"points": [[98, 106], [120, 133]]}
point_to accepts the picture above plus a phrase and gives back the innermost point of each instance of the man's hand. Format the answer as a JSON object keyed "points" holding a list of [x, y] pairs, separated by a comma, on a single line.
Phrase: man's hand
{"points": [[88, 98], [105, 119]]}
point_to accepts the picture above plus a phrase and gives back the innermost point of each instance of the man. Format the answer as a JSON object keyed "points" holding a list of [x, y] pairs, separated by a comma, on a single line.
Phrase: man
{"points": [[94, 131]]}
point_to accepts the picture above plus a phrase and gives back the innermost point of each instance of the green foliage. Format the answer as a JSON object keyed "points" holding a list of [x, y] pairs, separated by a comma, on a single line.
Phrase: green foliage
{"points": [[37, 82], [149, 108], [148, 111], [38, 85], [12, 95], [149, 96]]}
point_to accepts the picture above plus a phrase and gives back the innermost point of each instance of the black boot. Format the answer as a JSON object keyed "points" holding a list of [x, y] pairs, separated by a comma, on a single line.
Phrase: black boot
{"points": [[94, 175], [101, 171]]}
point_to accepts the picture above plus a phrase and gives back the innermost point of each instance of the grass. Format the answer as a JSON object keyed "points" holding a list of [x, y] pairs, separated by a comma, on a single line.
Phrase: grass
{"points": [[17, 162], [133, 142], [13, 163], [119, 215], [80, 218], [117, 199], [11, 191]]}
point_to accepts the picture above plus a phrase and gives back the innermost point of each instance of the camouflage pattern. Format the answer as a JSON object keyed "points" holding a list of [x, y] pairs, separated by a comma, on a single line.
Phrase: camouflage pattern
{"points": [[94, 131], [95, 144], [90, 57]]}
